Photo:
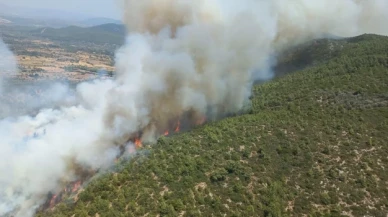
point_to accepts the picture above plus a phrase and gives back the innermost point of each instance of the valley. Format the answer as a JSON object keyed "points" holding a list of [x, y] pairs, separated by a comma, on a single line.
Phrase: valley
{"points": [[48, 54]]}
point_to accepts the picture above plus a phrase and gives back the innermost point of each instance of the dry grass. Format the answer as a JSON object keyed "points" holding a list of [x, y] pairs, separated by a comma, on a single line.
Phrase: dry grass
{"points": [[43, 59]]}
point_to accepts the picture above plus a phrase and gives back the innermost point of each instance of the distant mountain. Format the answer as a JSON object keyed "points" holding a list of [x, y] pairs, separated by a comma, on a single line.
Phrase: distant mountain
{"points": [[110, 27], [22, 21], [41, 14], [54, 23], [98, 21], [106, 33], [49, 17]]}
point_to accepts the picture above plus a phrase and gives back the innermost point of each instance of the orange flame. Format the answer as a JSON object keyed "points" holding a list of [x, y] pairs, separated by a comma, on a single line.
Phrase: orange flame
{"points": [[138, 143], [166, 133], [76, 186], [52, 201], [178, 127]]}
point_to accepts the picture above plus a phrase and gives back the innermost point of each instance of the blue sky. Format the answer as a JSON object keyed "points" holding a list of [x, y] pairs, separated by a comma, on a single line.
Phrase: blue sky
{"points": [[100, 8]]}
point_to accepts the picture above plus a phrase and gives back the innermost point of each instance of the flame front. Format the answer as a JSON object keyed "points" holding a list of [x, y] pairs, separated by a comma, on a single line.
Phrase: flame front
{"points": [[76, 186], [138, 143], [52, 201], [174, 127], [178, 127]]}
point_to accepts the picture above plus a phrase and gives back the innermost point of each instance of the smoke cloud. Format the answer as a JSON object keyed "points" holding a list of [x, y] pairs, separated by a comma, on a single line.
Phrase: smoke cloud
{"points": [[183, 60]]}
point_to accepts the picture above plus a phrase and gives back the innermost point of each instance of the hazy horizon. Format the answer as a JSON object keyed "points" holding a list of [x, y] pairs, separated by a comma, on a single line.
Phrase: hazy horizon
{"points": [[89, 8]]}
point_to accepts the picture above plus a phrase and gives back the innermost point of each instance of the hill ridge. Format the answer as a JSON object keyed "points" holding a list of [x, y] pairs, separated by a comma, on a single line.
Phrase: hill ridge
{"points": [[104, 33]]}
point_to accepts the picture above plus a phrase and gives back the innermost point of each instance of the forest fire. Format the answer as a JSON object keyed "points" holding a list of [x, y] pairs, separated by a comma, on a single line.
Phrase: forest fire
{"points": [[177, 129], [53, 201], [69, 190], [74, 187], [138, 143]]}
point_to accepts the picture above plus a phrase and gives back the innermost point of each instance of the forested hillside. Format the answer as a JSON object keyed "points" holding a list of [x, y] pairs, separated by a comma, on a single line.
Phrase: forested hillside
{"points": [[314, 144]]}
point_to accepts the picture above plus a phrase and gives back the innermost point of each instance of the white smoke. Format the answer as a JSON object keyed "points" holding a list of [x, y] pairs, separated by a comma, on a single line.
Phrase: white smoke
{"points": [[29, 98], [182, 59], [8, 64], [26, 98]]}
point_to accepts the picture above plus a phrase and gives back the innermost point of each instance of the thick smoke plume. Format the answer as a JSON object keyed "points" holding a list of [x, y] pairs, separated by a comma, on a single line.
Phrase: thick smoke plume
{"points": [[183, 60]]}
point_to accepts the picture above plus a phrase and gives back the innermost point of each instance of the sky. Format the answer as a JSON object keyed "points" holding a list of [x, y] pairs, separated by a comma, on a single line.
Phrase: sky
{"points": [[98, 8]]}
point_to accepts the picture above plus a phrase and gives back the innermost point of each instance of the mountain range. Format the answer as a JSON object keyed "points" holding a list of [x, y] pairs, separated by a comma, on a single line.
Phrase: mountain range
{"points": [[110, 33], [17, 15]]}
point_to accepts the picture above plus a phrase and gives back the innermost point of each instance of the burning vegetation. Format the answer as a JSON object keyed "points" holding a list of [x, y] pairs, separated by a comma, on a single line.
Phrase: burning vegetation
{"points": [[182, 61], [71, 189]]}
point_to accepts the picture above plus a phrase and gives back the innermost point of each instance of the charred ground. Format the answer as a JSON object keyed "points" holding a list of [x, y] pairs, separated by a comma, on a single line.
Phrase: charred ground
{"points": [[314, 143]]}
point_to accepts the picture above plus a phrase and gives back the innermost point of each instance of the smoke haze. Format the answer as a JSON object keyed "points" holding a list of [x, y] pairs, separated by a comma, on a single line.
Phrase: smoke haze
{"points": [[8, 64], [183, 60]]}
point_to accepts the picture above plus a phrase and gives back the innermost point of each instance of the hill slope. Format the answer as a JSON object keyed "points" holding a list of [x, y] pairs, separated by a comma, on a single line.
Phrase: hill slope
{"points": [[314, 143]]}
